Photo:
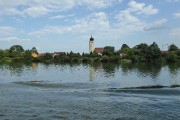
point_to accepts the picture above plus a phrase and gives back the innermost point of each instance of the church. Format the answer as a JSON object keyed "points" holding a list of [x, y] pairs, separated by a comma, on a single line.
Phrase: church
{"points": [[92, 48]]}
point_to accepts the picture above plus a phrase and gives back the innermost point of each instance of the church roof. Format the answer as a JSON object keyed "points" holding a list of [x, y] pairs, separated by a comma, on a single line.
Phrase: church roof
{"points": [[99, 50]]}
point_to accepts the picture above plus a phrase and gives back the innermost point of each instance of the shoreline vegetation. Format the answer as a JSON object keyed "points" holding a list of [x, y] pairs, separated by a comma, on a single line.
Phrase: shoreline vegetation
{"points": [[139, 53]]}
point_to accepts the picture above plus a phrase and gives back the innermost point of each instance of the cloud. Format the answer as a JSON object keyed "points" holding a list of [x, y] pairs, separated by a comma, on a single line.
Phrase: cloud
{"points": [[60, 16], [128, 22], [173, 1], [36, 11], [99, 3], [36, 8], [159, 24], [141, 8], [14, 39], [98, 23], [175, 33], [7, 31], [177, 14], [128, 19], [85, 25]]}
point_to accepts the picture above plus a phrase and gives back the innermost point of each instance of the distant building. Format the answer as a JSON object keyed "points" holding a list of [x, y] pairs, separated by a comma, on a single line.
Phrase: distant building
{"points": [[99, 50], [92, 48], [91, 45], [34, 54], [59, 53], [41, 54]]}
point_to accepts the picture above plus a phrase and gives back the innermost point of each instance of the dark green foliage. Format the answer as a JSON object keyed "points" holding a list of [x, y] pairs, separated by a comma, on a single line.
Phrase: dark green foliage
{"points": [[97, 59], [109, 48], [140, 53], [114, 59], [105, 59], [108, 51], [129, 53], [177, 52], [124, 47], [47, 56], [1, 54], [66, 59], [153, 52], [171, 57], [27, 55], [86, 59], [37, 59], [141, 49], [34, 50], [16, 51], [172, 48], [18, 59]]}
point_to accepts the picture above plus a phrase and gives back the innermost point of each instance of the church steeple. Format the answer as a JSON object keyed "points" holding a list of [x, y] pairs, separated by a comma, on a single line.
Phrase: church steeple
{"points": [[91, 39], [91, 45]]}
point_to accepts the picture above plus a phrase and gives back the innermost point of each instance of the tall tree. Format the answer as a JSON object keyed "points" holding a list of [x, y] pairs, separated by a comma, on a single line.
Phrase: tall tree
{"points": [[108, 50], [153, 51], [173, 47], [34, 50], [141, 49], [16, 50], [124, 47], [1, 53]]}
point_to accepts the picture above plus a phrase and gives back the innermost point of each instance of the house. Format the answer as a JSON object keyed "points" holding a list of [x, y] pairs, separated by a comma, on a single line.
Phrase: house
{"points": [[41, 54], [99, 50], [59, 53], [34, 54]]}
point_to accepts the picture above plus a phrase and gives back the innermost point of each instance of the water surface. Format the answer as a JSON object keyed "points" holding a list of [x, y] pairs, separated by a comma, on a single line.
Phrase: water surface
{"points": [[90, 91]]}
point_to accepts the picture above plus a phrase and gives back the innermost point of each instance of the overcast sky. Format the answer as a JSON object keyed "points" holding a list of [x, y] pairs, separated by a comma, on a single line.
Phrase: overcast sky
{"points": [[66, 25]]}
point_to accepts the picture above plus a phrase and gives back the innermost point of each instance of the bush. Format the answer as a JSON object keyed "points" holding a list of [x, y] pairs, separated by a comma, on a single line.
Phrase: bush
{"points": [[114, 59], [86, 59], [36, 59], [172, 57], [96, 59], [75, 60], [105, 59], [66, 59], [7, 59], [177, 52], [18, 59]]}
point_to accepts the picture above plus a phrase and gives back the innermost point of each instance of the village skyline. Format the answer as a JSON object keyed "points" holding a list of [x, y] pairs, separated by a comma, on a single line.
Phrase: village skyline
{"points": [[67, 25]]}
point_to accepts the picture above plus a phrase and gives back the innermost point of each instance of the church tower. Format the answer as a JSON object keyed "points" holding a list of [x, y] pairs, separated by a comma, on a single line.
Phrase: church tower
{"points": [[91, 45]]}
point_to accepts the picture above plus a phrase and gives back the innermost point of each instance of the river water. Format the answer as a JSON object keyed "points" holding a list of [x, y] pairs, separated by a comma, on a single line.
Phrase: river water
{"points": [[89, 91]]}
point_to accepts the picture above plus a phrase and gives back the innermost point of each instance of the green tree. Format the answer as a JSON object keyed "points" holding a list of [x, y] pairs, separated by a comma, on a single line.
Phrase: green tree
{"points": [[124, 47], [108, 50], [153, 51], [47, 56], [173, 48], [141, 49], [1, 53], [172, 57], [34, 50], [16, 51], [27, 55]]}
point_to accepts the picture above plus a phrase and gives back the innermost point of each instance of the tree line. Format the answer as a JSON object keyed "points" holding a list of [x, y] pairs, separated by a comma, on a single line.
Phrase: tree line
{"points": [[139, 53]]}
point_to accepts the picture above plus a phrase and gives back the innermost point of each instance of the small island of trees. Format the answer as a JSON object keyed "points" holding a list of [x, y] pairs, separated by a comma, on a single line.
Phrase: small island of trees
{"points": [[139, 53]]}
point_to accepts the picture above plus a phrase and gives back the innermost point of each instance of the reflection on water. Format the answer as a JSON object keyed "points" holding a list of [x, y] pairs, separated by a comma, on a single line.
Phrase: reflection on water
{"points": [[92, 72], [34, 66], [141, 70], [89, 91]]}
